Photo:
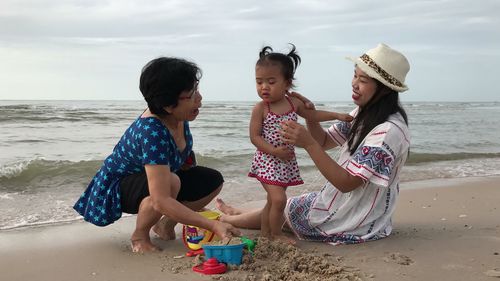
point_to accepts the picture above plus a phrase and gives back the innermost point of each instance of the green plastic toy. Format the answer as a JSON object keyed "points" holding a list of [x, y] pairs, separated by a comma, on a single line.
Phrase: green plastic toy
{"points": [[249, 243]]}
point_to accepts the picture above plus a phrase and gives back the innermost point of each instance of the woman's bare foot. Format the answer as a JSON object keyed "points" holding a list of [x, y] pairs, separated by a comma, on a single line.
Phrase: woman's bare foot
{"points": [[164, 228], [226, 209], [141, 245]]}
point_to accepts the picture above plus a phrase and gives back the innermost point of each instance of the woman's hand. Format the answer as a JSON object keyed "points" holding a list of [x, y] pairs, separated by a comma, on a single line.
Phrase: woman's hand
{"points": [[296, 134], [225, 230], [308, 104]]}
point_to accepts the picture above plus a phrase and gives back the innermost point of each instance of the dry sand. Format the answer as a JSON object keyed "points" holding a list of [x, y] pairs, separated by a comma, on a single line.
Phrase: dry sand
{"points": [[443, 230]]}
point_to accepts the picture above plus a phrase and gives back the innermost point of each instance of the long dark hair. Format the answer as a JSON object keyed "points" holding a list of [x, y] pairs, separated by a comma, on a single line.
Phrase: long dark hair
{"points": [[384, 103], [288, 63]]}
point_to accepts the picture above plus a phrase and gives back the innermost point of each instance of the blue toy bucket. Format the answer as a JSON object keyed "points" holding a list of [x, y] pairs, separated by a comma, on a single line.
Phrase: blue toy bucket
{"points": [[230, 254]]}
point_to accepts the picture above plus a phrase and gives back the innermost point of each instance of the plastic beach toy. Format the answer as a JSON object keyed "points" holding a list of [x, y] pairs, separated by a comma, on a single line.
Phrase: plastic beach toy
{"points": [[249, 243], [211, 266], [194, 237], [230, 254]]}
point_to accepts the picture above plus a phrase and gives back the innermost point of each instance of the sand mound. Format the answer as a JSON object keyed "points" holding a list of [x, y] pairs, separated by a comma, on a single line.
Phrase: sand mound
{"points": [[274, 260]]}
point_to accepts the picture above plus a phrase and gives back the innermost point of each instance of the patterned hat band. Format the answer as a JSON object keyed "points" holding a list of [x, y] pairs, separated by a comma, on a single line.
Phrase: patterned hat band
{"points": [[373, 65]]}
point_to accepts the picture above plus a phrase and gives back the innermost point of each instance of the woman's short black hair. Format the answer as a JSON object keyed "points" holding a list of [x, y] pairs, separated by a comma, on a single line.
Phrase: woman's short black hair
{"points": [[164, 79]]}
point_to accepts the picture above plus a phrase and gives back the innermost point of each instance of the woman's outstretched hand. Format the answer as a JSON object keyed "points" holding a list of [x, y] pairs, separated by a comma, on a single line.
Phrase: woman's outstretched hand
{"points": [[296, 134], [225, 230]]}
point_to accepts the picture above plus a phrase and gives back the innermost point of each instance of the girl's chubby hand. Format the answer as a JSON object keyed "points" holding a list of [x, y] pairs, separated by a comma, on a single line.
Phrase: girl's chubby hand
{"points": [[284, 153], [296, 134]]}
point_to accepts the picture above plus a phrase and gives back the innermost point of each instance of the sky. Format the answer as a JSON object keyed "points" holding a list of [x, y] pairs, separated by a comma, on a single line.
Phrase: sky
{"points": [[95, 49]]}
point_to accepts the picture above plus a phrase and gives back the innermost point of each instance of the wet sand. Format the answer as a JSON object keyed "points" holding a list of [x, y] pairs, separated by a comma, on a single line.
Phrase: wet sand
{"points": [[443, 230]]}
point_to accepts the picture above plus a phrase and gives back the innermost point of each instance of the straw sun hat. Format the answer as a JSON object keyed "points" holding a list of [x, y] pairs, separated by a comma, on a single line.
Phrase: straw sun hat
{"points": [[386, 65]]}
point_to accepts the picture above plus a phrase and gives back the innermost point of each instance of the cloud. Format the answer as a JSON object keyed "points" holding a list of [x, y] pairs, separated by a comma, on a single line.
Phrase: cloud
{"points": [[59, 40]]}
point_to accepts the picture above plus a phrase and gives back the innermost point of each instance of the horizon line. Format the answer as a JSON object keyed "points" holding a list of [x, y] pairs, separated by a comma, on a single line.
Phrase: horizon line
{"points": [[216, 100]]}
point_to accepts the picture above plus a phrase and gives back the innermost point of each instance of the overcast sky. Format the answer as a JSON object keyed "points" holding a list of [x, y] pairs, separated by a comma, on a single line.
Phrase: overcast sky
{"points": [[95, 49]]}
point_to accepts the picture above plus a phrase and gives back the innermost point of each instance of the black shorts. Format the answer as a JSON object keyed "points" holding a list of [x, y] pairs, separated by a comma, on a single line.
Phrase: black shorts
{"points": [[196, 183]]}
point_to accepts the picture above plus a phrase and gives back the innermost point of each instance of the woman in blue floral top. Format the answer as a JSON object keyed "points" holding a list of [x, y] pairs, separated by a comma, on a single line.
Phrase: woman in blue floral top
{"points": [[151, 171]]}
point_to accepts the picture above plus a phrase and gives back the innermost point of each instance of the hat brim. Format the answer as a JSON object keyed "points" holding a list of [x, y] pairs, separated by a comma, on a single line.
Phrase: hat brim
{"points": [[373, 74]]}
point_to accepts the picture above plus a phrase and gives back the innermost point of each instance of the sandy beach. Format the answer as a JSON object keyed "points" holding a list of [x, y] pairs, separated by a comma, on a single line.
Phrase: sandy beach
{"points": [[443, 230]]}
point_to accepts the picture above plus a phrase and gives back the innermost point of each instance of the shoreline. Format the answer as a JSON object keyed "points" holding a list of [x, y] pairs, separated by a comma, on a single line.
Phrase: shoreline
{"points": [[405, 185], [446, 229]]}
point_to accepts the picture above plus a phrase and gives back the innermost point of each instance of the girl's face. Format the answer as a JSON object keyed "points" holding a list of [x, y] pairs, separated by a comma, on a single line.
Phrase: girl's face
{"points": [[270, 83], [363, 87], [188, 105]]}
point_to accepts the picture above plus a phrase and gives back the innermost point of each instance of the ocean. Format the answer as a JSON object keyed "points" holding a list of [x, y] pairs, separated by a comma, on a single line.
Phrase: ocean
{"points": [[50, 150]]}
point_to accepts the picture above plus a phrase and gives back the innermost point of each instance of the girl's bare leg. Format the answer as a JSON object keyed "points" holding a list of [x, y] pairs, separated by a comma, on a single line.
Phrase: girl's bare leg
{"points": [[265, 228], [250, 219], [277, 197]]}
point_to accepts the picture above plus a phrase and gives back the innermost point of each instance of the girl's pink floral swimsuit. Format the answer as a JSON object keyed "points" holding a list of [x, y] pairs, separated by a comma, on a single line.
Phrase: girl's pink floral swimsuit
{"points": [[268, 168]]}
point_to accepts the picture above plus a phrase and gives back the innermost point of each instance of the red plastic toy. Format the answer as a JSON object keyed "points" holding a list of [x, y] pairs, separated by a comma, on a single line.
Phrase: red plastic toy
{"points": [[193, 253], [211, 266]]}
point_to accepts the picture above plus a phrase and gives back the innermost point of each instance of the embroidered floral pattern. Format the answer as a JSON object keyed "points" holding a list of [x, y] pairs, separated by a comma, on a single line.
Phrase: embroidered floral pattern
{"points": [[375, 158], [344, 128], [298, 215]]}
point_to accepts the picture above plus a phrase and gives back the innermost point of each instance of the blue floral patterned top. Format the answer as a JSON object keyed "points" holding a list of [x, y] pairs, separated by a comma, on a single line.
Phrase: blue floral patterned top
{"points": [[146, 142]]}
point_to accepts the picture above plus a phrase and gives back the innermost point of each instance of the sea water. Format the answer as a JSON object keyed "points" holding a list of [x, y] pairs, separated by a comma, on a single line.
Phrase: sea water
{"points": [[50, 150]]}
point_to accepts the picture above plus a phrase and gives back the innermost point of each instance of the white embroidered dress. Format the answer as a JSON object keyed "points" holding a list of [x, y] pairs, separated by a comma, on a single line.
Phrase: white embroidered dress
{"points": [[365, 213]]}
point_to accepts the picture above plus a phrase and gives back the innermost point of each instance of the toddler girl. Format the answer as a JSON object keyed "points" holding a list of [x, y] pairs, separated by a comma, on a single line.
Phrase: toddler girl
{"points": [[274, 163]]}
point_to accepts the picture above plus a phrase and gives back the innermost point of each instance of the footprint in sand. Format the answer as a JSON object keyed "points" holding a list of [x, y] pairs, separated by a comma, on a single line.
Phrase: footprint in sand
{"points": [[493, 272], [399, 259]]}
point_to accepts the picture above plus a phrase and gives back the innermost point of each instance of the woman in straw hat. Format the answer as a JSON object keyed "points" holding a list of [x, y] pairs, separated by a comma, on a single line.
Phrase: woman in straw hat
{"points": [[357, 202]]}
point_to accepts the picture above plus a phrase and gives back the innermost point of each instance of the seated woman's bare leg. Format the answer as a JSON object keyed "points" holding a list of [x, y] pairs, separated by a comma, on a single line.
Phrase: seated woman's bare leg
{"points": [[250, 219], [226, 209]]}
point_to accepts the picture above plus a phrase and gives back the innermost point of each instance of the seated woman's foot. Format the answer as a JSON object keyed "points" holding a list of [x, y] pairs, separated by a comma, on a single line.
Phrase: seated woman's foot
{"points": [[143, 246], [164, 228], [226, 209]]}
